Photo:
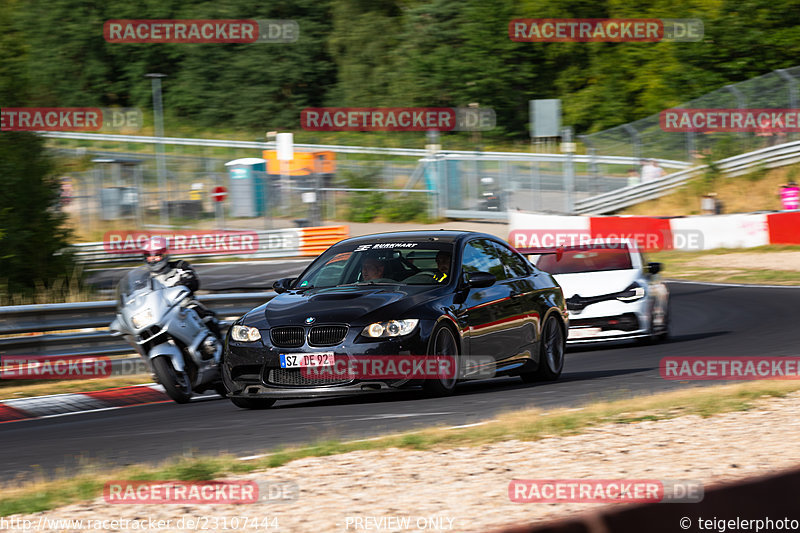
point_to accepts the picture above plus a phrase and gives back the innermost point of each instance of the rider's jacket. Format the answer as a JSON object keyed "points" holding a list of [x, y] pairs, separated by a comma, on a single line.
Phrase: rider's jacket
{"points": [[179, 273]]}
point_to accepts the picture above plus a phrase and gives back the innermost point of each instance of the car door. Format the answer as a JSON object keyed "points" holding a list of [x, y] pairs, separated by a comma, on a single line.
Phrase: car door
{"points": [[487, 311], [526, 302]]}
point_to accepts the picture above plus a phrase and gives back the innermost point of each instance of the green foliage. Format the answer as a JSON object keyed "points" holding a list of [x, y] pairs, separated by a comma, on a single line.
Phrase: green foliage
{"points": [[406, 208], [366, 205], [387, 53], [30, 215]]}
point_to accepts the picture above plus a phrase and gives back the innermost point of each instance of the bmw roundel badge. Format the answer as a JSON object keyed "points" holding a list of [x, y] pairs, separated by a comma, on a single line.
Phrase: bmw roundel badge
{"points": [[310, 320]]}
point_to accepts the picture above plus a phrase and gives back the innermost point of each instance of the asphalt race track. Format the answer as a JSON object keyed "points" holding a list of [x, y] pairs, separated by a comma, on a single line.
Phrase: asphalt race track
{"points": [[707, 320]]}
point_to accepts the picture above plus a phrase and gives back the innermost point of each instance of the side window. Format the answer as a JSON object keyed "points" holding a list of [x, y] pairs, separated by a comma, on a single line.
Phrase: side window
{"points": [[515, 266], [481, 256]]}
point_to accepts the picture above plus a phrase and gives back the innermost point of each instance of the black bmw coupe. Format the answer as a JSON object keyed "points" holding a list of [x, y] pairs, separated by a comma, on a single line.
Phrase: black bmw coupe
{"points": [[372, 312]]}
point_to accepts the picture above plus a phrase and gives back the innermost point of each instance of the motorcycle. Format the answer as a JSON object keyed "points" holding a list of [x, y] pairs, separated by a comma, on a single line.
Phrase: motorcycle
{"points": [[178, 347]]}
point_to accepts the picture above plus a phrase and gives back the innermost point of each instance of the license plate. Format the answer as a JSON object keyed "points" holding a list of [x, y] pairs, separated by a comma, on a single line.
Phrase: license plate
{"points": [[305, 360], [582, 333]]}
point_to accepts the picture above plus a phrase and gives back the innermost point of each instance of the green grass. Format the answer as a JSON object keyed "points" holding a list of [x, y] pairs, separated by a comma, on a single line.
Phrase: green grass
{"points": [[528, 425]]}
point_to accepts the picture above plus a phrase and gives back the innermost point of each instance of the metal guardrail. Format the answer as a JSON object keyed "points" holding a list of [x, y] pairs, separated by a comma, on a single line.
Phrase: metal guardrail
{"points": [[61, 328], [771, 157], [411, 152]]}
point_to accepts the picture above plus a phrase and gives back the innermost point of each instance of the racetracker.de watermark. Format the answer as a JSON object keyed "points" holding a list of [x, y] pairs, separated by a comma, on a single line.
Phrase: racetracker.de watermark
{"points": [[201, 31], [397, 118], [729, 368], [605, 30], [200, 492], [604, 491], [69, 119], [54, 367], [644, 239], [327, 366], [730, 120], [184, 242]]}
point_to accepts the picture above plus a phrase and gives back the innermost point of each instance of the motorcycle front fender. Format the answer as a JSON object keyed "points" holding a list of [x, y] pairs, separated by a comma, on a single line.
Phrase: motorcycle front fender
{"points": [[171, 351]]}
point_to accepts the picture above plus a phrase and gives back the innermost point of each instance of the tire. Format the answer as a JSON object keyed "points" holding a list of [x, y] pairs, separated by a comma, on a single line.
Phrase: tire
{"points": [[253, 403], [443, 342], [663, 336], [551, 353], [180, 390], [654, 337]]}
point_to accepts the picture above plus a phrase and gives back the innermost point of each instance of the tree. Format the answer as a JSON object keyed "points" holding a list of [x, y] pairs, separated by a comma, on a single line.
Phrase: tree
{"points": [[34, 230]]}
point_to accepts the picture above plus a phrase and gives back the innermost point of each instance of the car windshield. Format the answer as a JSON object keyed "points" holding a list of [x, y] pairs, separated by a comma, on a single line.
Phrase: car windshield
{"points": [[587, 259], [137, 279], [380, 262]]}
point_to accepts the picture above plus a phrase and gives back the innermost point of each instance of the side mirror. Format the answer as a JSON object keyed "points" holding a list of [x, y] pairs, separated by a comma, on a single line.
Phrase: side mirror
{"points": [[283, 285], [654, 268], [479, 280]]}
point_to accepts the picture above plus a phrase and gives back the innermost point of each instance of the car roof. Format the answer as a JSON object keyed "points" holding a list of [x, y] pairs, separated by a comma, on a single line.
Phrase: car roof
{"points": [[447, 236]]}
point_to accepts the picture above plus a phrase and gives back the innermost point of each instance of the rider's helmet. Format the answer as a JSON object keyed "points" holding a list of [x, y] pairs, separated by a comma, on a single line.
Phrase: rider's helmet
{"points": [[155, 254]]}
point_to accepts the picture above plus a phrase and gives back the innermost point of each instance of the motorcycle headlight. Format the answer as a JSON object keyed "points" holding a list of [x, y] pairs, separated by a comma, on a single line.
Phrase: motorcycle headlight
{"points": [[632, 293], [392, 328], [142, 319], [245, 334]]}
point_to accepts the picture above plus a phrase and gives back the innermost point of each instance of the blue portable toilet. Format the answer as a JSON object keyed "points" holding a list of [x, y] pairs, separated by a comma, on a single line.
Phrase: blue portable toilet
{"points": [[248, 189]]}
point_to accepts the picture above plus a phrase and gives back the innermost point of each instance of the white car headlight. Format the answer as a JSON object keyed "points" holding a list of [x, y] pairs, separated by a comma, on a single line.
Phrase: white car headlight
{"points": [[142, 319], [392, 328], [245, 334], [632, 293]]}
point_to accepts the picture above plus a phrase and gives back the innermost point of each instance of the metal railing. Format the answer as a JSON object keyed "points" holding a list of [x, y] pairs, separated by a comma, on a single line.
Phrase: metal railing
{"points": [[410, 152], [81, 328], [771, 157]]}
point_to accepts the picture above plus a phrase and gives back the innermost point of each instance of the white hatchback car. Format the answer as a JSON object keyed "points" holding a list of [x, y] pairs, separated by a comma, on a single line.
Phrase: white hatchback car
{"points": [[611, 293]]}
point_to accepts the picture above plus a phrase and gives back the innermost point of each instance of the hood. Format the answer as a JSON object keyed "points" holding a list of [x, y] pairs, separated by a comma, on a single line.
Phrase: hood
{"points": [[596, 283], [351, 304]]}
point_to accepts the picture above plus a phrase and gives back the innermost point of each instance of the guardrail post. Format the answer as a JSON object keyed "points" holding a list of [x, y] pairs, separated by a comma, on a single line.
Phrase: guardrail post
{"points": [[741, 102], [637, 142], [792, 81], [569, 170]]}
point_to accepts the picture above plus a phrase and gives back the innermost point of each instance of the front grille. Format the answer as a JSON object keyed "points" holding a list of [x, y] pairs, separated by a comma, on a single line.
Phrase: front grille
{"points": [[287, 337], [326, 335], [625, 322], [294, 377]]}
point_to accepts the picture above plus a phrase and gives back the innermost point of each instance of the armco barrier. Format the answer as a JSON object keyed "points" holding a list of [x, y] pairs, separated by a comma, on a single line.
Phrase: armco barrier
{"points": [[56, 328], [745, 230], [773, 497], [769, 157], [271, 244]]}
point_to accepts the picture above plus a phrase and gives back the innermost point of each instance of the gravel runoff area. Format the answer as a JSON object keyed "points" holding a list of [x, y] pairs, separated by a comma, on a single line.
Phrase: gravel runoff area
{"points": [[466, 489], [789, 261]]}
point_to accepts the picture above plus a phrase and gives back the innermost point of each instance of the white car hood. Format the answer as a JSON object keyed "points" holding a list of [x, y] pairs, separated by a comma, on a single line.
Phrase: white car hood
{"points": [[596, 283]]}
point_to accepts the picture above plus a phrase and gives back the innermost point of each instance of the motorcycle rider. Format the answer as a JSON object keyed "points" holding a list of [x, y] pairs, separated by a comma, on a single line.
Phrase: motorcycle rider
{"points": [[156, 256]]}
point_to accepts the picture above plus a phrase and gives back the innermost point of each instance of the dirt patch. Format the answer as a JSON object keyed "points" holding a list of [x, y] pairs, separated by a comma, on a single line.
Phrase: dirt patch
{"points": [[787, 261]]}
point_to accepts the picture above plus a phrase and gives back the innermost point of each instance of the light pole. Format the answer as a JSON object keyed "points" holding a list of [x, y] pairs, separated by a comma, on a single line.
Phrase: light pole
{"points": [[161, 167]]}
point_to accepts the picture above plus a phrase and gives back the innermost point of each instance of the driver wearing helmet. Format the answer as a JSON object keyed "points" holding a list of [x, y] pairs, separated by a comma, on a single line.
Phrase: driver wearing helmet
{"points": [[171, 273]]}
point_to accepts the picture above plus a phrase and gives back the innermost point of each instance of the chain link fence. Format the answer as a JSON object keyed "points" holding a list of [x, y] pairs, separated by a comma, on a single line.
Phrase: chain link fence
{"points": [[645, 139]]}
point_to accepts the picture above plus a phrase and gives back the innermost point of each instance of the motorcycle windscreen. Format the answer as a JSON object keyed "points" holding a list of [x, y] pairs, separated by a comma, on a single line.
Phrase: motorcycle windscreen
{"points": [[135, 280]]}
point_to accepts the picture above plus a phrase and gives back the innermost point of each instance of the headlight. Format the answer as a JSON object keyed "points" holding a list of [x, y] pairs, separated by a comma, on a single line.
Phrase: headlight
{"points": [[142, 319], [632, 293], [245, 334], [392, 328]]}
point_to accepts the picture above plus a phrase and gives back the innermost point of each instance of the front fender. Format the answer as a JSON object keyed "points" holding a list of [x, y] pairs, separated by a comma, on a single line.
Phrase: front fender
{"points": [[169, 350]]}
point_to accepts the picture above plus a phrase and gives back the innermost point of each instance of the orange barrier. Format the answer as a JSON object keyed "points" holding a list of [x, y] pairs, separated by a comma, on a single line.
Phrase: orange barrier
{"points": [[314, 241]]}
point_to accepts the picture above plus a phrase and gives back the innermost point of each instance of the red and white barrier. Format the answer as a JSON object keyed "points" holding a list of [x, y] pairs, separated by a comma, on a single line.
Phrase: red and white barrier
{"points": [[704, 232]]}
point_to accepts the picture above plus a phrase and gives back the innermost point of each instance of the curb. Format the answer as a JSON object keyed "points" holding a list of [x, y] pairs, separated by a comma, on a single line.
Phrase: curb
{"points": [[72, 403]]}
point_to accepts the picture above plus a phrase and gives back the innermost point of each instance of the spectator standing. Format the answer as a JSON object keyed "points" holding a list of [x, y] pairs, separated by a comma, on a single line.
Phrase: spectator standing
{"points": [[790, 196], [651, 171]]}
